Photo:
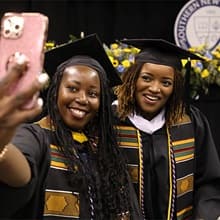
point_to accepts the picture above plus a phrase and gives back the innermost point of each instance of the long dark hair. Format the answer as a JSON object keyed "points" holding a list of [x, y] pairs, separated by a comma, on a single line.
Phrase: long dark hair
{"points": [[111, 187], [175, 106]]}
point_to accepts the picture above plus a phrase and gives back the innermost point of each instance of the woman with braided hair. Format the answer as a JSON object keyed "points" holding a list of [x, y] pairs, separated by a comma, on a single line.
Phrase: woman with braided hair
{"points": [[167, 143], [87, 177]]}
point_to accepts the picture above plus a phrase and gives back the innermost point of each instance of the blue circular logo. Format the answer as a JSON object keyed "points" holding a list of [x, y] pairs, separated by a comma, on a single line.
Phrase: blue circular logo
{"points": [[198, 23]]}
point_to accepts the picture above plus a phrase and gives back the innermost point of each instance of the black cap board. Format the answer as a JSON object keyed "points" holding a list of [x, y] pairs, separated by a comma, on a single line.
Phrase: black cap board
{"points": [[160, 51], [90, 46]]}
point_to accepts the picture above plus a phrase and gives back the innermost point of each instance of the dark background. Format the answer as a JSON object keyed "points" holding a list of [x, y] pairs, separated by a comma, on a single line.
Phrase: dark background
{"points": [[113, 20]]}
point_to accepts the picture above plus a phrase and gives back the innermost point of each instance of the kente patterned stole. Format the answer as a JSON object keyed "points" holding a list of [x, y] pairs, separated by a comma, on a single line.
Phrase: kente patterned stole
{"points": [[61, 201], [182, 143]]}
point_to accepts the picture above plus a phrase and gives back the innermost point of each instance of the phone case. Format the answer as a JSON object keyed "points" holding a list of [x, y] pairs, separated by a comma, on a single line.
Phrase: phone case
{"points": [[25, 33]]}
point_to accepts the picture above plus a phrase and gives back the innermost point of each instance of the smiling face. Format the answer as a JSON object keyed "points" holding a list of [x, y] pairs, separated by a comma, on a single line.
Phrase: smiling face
{"points": [[154, 86], [78, 96]]}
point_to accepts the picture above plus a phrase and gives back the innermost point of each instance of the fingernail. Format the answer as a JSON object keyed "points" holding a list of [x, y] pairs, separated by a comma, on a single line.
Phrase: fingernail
{"points": [[43, 78], [40, 102], [20, 58]]}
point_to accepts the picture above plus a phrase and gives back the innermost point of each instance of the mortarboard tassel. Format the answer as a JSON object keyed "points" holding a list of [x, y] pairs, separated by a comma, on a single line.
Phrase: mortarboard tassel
{"points": [[187, 89]]}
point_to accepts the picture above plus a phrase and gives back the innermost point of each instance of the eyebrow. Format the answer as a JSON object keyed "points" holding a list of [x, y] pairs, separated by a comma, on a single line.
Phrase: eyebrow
{"points": [[77, 82], [74, 81], [164, 77]]}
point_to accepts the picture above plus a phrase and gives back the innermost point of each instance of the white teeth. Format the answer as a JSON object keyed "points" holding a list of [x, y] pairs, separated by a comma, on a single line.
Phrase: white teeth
{"points": [[152, 98], [78, 113]]}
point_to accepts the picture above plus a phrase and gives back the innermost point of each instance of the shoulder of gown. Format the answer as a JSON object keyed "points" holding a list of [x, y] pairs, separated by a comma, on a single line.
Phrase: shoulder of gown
{"points": [[207, 169]]}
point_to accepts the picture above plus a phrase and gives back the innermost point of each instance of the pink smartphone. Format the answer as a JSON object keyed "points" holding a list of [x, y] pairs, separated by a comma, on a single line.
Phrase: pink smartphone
{"points": [[25, 33]]}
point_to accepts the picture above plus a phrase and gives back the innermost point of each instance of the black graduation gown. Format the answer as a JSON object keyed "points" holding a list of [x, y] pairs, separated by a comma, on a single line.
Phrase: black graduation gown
{"points": [[197, 168], [62, 200], [28, 202]]}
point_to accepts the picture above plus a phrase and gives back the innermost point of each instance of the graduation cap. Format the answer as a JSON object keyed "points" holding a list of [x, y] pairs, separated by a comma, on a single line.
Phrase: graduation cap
{"points": [[90, 46], [162, 52]]}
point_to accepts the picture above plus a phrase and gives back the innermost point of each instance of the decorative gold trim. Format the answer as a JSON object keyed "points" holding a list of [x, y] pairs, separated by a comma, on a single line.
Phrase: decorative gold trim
{"points": [[141, 181], [170, 174], [183, 211], [185, 141], [184, 120], [61, 203], [44, 123], [133, 171], [185, 184]]}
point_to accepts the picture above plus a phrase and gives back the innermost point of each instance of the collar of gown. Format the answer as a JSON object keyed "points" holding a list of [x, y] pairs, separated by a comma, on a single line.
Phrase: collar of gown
{"points": [[148, 126]]}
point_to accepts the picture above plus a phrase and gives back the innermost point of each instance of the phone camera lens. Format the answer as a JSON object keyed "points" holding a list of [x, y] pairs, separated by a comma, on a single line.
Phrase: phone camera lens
{"points": [[7, 32]]}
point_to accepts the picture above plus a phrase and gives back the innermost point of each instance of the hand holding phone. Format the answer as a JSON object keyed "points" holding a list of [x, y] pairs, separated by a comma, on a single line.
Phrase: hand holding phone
{"points": [[23, 34]]}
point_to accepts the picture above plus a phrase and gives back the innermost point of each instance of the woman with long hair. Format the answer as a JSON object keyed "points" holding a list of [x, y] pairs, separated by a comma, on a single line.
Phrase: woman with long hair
{"points": [[167, 142], [74, 145]]}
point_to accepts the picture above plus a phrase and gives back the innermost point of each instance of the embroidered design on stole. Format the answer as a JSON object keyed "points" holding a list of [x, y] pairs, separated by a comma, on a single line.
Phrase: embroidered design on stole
{"points": [[129, 139], [184, 149], [61, 203], [57, 158], [183, 152]]}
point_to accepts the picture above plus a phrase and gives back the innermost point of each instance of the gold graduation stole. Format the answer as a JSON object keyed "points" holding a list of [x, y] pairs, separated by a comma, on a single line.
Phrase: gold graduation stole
{"points": [[79, 137]]}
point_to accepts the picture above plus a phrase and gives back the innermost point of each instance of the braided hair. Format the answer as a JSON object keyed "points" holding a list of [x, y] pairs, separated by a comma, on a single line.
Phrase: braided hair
{"points": [[110, 187], [175, 107]]}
